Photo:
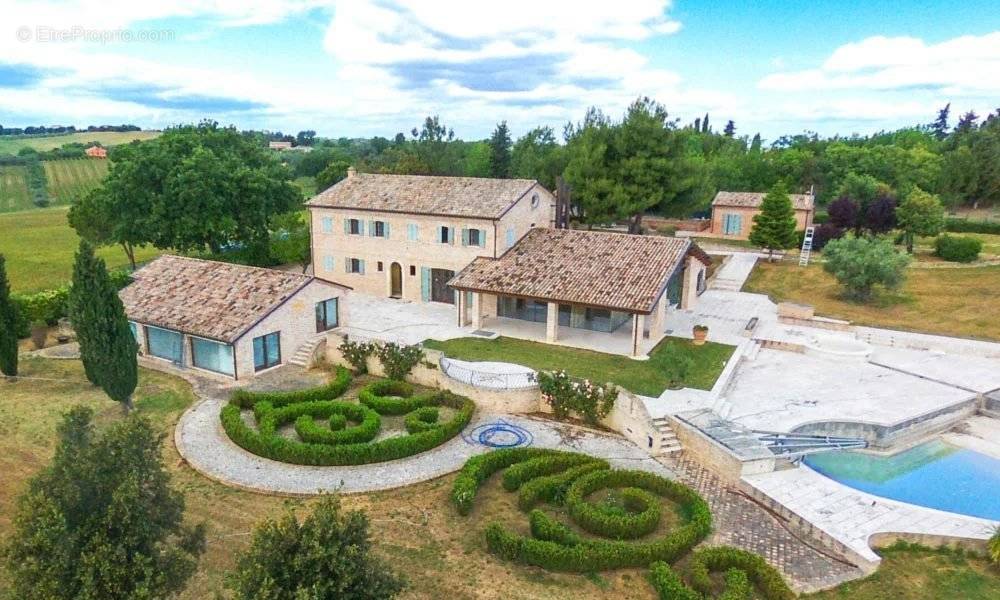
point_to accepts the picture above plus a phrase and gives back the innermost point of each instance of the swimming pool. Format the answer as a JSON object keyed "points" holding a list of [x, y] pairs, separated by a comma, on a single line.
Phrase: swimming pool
{"points": [[933, 474]]}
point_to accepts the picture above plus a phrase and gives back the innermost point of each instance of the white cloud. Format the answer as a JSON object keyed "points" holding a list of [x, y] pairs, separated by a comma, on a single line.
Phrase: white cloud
{"points": [[963, 65]]}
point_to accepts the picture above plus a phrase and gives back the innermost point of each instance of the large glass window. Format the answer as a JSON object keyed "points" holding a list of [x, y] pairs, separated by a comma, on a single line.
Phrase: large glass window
{"points": [[213, 356], [267, 351], [675, 286], [594, 319], [520, 308], [326, 314], [163, 343]]}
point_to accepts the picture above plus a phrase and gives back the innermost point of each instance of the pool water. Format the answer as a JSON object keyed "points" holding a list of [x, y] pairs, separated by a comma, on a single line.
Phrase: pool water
{"points": [[934, 474]]}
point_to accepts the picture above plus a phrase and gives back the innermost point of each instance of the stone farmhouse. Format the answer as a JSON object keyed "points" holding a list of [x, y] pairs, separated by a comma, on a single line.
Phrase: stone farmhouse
{"points": [[733, 213]]}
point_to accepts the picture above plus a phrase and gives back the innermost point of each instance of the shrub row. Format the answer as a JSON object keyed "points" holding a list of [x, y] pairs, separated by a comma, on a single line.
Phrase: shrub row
{"points": [[552, 488], [266, 443], [519, 474], [422, 419], [53, 304], [392, 397], [479, 468], [956, 248], [723, 558], [334, 389], [668, 584], [966, 226], [624, 526]]}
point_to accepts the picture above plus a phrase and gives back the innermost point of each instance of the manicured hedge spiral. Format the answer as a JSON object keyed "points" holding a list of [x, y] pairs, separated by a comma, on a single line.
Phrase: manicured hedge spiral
{"points": [[342, 444]]}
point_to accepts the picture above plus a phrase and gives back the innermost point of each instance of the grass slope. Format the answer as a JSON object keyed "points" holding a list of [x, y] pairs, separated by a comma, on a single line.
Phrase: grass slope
{"points": [[39, 246], [14, 189], [642, 377], [67, 180], [10, 145], [946, 301]]}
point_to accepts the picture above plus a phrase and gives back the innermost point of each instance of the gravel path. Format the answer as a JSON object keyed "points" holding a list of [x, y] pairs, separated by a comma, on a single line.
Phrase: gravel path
{"points": [[201, 440]]}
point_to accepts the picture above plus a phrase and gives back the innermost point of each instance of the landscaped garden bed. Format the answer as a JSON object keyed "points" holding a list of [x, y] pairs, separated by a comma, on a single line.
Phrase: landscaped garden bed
{"points": [[585, 517], [313, 427], [648, 377]]}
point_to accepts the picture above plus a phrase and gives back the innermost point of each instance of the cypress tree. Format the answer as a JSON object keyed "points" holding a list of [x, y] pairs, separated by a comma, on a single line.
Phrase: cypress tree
{"points": [[83, 312], [8, 324], [774, 226]]}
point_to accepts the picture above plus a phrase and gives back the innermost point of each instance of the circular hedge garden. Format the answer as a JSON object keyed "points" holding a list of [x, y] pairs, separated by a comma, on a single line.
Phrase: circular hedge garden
{"points": [[625, 534], [347, 431]]}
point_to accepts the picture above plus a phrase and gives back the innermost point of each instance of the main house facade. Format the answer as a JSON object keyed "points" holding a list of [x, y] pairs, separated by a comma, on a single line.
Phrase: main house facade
{"points": [[733, 213], [230, 320], [407, 236]]}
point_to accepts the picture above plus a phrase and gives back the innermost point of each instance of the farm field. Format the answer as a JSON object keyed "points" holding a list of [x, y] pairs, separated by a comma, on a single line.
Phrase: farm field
{"points": [[13, 189], [10, 145], [69, 179], [39, 245]]}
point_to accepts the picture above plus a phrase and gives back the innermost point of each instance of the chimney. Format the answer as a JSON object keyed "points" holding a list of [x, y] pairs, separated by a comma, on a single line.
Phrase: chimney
{"points": [[351, 172]]}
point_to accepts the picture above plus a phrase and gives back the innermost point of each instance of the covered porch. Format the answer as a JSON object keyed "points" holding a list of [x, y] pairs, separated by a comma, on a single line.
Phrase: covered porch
{"points": [[600, 329]]}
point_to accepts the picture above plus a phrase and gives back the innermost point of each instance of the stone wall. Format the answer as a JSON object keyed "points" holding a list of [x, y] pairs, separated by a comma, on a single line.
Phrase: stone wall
{"points": [[923, 341], [716, 457]]}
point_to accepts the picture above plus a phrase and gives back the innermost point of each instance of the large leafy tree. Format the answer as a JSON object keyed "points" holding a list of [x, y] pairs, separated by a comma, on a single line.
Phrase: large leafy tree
{"points": [[8, 324], [500, 151], [291, 243], [326, 556], [537, 155], [101, 522], [621, 170], [862, 263], [919, 214], [194, 187], [107, 345], [774, 226]]}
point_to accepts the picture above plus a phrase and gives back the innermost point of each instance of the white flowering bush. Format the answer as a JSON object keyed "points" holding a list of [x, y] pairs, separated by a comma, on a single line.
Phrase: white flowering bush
{"points": [[589, 401]]}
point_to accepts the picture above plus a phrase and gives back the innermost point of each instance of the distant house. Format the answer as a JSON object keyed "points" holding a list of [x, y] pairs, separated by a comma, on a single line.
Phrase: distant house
{"points": [[733, 212], [279, 145], [232, 320], [96, 152]]}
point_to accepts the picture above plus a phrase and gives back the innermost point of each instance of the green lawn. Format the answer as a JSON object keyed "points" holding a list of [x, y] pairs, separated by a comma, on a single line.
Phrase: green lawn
{"points": [[67, 180], [921, 574], [13, 189], [10, 145], [644, 377], [39, 246]]}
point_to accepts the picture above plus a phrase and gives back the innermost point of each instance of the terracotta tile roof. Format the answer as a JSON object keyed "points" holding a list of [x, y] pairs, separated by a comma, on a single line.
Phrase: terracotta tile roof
{"points": [[425, 194], [753, 200], [609, 270], [210, 299]]}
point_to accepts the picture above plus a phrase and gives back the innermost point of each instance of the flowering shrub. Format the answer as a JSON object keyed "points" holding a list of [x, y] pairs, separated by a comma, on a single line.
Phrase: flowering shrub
{"points": [[591, 402], [357, 354], [398, 360]]}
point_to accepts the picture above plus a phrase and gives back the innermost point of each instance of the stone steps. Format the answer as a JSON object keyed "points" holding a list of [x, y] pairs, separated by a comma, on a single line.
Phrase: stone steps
{"points": [[669, 444], [303, 356]]}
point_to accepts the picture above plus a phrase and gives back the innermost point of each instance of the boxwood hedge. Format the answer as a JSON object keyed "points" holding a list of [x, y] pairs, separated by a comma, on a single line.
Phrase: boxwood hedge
{"points": [[349, 445]]}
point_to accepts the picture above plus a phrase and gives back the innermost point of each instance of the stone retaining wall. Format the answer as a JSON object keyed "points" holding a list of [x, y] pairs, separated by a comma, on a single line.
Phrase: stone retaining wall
{"points": [[714, 456]]}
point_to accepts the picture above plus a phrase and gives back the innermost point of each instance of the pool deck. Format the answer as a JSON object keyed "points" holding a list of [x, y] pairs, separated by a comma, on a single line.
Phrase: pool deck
{"points": [[979, 434], [846, 518]]}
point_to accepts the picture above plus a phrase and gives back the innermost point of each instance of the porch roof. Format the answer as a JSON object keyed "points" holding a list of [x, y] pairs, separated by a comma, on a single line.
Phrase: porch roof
{"points": [[214, 300], [608, 270]]}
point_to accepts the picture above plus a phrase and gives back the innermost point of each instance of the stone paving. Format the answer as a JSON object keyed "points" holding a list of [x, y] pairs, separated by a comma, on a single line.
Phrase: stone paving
{"points": [[200, 439], [741, 522]]}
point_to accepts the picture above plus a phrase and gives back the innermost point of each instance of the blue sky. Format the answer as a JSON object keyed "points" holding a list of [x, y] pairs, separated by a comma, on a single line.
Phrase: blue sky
{"points": [[376, 67]]}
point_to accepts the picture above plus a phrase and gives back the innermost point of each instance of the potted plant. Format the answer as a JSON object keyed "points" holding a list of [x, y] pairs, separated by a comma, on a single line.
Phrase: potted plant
{"points": [[39, 333], [699, 333]]}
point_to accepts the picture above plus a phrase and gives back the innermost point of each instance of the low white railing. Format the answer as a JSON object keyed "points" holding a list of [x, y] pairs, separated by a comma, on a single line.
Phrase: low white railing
{"points": [[490, 380]]}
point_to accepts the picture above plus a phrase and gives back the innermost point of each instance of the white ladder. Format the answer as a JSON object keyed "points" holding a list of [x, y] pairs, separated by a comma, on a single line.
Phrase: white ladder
{"points": [[807, 246]]}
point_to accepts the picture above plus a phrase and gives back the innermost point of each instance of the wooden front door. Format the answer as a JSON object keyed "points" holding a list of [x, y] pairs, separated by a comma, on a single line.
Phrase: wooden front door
{"points": [[440, 292], [395, 280]]}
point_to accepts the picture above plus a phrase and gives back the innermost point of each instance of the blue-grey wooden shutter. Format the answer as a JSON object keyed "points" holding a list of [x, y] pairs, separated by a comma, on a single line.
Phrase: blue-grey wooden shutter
{"points": [[451, 235], [347, 226], [737, 224], [465, 236], [386, 230], [371, 228], [361, 267], [425, 284], [347, 265], [482, 238]]}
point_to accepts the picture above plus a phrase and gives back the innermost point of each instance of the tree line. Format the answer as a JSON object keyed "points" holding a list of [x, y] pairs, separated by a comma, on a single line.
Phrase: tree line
{"points": [[63, 129]]}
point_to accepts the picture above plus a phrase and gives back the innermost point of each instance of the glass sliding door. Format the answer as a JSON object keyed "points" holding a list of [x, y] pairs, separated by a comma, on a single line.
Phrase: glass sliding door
{"points": [[267, 351], [213, 356], [166, 344], [326, 315], [521, 308]]}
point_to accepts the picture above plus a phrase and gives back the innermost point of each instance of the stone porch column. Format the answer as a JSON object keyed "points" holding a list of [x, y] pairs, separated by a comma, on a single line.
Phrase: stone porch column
{"points": [[552, 323], [660, 315], [477, 310]]}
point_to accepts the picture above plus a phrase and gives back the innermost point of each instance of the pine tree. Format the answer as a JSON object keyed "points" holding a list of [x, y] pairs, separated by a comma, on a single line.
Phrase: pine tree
{"points": [[774, 226], [940, 125], [730, 129], [8, 324], [500, 145], [704, 124]]}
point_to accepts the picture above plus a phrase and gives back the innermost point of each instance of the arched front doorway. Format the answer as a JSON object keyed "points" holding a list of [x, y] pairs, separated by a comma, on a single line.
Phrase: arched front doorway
{"points": [[395, 280]]}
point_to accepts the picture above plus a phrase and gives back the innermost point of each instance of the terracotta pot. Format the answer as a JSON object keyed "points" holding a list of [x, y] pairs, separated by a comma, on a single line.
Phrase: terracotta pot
{"points": [[699, 336]]}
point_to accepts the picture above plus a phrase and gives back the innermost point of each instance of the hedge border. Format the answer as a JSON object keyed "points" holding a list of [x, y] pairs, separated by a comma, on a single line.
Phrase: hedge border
{"points": [[637, 486], [725, 558]]}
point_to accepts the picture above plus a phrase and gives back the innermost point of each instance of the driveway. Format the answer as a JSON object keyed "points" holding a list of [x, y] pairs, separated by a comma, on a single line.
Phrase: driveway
{"points": [[400, 321]]}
